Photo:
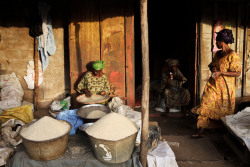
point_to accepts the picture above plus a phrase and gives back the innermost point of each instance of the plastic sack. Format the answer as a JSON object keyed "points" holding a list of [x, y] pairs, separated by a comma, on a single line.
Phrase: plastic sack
{"points": [[61, 105], [71, 117], [161, 156], [5, 154], [8, 133], [30, 75], [23, 113], [11, 91]]}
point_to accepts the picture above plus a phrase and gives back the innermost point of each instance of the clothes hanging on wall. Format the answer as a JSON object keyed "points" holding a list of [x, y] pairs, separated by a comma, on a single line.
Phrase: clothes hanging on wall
{"points": [[45, 42]]}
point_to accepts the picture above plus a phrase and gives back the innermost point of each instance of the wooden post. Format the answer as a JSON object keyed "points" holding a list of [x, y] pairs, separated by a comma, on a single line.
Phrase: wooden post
{"points": [[36, 58], [145, 83]]}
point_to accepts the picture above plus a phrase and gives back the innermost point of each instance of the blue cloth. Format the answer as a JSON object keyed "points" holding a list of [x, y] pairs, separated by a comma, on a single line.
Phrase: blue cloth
{"points": [[50, 41], [71, 117]]}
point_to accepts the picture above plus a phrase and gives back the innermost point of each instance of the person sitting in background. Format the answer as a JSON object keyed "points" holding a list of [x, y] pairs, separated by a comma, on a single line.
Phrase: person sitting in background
{"points": [[94, 81], [171, 86]]}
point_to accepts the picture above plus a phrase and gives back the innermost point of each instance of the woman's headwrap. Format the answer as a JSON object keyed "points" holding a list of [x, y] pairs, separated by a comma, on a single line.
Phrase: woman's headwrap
{"points": [[226, 36], [172, 62], [98, 65]]}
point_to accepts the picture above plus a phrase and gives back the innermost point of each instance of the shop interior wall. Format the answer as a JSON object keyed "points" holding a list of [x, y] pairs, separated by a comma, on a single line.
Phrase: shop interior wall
{"points": [[17, 48]]}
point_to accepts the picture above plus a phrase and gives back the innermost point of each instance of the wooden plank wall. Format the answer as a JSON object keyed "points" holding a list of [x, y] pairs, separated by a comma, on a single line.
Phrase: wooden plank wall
{"points": [[103, 30], [247, 53], [234, 13]]}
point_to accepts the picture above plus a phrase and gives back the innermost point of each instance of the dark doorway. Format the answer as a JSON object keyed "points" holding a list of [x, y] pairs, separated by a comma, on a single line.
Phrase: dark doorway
{"points": [[172, 34]]}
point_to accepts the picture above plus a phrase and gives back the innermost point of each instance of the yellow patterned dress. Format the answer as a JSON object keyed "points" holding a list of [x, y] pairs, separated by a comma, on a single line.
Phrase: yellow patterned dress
{"points": [[94, 84], [218, 98]]}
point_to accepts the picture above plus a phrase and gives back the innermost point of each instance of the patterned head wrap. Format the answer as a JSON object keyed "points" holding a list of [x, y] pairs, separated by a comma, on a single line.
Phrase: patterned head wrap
{"points": [[172, 62], [226, 36], [98, 65]]}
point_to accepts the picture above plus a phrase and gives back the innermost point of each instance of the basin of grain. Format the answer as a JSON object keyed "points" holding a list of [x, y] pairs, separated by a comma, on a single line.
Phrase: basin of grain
{"points": [[92, 112], [45, 139], [112, 138], [94, 99]]}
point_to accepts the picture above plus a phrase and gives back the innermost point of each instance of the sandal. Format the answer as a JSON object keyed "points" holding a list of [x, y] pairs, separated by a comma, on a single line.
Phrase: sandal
{"points": [[198, 136]]}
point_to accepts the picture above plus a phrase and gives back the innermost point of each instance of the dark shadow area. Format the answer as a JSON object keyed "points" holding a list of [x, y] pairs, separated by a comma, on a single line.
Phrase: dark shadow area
{"points": [[172, 32], [15, 13], [89, 68]]}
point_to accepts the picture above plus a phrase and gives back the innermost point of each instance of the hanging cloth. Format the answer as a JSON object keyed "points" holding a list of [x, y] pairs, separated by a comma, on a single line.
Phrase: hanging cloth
{"points": [[45, 42]]}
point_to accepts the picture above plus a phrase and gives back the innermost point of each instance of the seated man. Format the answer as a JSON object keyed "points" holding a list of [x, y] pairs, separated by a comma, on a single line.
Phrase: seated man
{"points": [[171, 86], [94, 81]]}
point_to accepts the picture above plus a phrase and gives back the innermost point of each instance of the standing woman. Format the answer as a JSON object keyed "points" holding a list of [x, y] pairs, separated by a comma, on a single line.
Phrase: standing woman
{"points": [[218, 99]]}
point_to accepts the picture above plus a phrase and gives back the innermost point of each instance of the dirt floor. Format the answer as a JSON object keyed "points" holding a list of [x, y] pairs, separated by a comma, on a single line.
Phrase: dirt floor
{"points": [[209, 151]]}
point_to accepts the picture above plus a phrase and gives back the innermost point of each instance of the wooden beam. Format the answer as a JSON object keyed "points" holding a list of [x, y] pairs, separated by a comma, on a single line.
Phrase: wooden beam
{"points": [[130, 56], [145, 82], [36, 59]]}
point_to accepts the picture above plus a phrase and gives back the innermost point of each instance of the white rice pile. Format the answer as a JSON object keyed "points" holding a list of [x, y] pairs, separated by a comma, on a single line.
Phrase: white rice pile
{"points": [[112, 127], [96, 114], [45, 128]]}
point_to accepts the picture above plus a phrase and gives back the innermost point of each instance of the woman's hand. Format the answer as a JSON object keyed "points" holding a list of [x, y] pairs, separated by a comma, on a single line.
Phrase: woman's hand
{"points": [[103, 93], [216, 74], [87, 93]]}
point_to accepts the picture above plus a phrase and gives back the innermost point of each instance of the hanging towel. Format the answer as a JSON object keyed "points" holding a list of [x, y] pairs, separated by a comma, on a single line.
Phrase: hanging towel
{"points": [[45, 42]]}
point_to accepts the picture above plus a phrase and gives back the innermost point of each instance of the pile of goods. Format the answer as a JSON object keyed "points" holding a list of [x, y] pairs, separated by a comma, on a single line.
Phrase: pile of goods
{"points": [[112, 127], [112, 138], [45, 128], [46, 139]]}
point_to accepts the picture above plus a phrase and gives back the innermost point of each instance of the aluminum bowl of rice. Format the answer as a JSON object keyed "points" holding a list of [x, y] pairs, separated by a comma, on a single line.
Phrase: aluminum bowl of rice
{"points": [[92, 112]]}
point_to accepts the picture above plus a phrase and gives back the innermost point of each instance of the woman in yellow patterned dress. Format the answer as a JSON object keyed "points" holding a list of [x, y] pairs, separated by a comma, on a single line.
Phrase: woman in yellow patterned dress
{"points": [[94, 81], [218, 99]]}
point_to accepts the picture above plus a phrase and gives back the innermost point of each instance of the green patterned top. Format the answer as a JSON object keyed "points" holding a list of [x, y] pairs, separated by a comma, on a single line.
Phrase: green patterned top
{"points": [[94, 84]]}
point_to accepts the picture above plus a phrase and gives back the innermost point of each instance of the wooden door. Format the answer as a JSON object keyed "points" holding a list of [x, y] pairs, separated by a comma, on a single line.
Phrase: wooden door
{"points": [[103, 30]]}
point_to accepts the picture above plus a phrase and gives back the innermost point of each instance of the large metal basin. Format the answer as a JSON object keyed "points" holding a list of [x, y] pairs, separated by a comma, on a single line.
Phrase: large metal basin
{"points": [[47, 149], [113, 151]]}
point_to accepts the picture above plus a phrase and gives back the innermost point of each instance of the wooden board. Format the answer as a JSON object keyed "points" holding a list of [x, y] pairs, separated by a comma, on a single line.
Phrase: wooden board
{"points": [[113, 44], [84, 40], [130, 57], [103, 30]]}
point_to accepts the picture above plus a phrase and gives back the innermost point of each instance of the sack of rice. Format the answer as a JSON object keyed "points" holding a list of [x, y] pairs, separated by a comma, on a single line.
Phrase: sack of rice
{"points": [[112, 127], [45, 128]]}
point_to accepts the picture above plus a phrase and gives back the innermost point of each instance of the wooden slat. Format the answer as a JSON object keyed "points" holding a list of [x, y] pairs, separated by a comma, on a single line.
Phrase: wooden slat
{"points": [[129, 31], [84, 38], [113, 44], [36, 90]]}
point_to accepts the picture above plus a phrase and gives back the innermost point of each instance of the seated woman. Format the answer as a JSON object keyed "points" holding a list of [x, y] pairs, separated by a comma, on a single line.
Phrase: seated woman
{"points": [[171, 86], [94, 81]]}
